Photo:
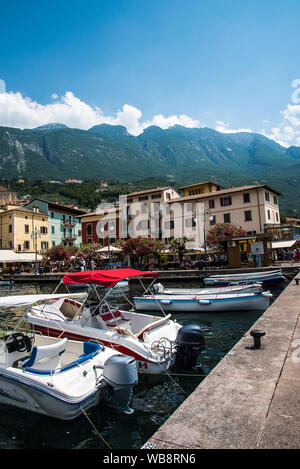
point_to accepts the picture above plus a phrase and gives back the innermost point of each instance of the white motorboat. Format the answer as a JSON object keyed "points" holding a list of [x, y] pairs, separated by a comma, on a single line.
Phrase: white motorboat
{"points": [[154, 341], [158, 288], [267, 278], [238, 301], [60, 377]]}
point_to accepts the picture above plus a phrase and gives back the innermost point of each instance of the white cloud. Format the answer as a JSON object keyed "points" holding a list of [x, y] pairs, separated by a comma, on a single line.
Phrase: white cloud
{"points": [[22, 112], [224, 127], [285, 136], [2, 86], [287, 133]]}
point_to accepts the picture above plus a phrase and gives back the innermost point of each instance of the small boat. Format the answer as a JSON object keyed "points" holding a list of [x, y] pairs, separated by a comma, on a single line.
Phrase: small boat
{"points": [[242, 301], [6, 282], [60, 377], [267, 278], [158, 288], [156, 342]]}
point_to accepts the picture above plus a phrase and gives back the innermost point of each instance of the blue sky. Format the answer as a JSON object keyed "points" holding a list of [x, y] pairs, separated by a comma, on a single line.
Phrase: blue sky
{"points": [[225, 64]]}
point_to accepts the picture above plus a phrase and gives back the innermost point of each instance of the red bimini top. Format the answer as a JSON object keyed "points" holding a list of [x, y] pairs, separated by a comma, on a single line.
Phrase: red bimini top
{"points": [[107, 278]]}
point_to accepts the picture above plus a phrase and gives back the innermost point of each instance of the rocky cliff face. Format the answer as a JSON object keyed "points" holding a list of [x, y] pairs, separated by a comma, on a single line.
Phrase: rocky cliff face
{"points": [[178, 153]]}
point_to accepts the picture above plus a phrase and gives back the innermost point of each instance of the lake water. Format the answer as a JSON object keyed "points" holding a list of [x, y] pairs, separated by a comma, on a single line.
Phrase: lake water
{"points": [[155, 399]]}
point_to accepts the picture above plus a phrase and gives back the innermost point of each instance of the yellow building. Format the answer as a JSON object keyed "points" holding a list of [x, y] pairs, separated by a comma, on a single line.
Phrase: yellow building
{"points": [[200, 188], [23, 230]]}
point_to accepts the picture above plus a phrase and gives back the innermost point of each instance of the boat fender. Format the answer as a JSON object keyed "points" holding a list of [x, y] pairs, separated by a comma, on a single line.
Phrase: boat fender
{"points": [[165, 302], [204, 302], [189, 344]]}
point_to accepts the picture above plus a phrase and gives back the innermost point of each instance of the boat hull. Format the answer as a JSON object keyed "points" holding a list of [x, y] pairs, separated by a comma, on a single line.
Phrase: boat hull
{"points": [[42, 400], [266, 282], [174, 304]]}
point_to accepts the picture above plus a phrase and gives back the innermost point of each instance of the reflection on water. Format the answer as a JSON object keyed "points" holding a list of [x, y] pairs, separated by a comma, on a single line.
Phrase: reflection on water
{"points": [[155, 399]]}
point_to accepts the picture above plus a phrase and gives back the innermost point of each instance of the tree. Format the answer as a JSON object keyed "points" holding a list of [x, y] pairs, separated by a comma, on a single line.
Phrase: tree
{"points": [[60, 255], [216, 236], [179, 245], [142, 248]]}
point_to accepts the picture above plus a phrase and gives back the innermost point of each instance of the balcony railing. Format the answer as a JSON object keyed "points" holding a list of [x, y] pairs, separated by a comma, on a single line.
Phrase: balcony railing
{"points": [[68, 223]]}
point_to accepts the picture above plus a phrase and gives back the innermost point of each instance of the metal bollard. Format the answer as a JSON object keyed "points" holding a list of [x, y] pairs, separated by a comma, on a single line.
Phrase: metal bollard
{"points": [[257, 334]]}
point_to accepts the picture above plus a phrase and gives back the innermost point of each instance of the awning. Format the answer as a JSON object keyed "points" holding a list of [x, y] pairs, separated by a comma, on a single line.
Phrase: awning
{"points": [[107, 278], [8, 256], [283, 244], [109, 249], [29, 257], [27, 300]]}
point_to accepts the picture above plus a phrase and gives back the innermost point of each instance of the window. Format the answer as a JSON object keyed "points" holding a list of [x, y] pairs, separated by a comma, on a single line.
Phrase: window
{"points": [[267, 196], [26, 228], [248, 215], [275, 200], [277, 217], [89, 229], [189, 207], [157, 196], [89, 240], [26, 244], [211, 203], [144, 224], [44, 245], [143, 198], [19, 247], [226, 217], [224, 201], [52, 229], [269, 215], [51, 214], [10, 228], [189, 222], [169, 225], [43, 229], [143, 208], [212, 220], [246, 197]]}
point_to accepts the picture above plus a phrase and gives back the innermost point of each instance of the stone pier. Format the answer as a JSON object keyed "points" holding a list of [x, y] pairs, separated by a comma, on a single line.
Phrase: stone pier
{"points": [[251, 399]]}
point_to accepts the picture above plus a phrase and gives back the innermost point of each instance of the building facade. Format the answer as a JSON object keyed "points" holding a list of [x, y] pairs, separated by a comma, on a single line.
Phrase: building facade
{"points": [[64, 222], [23, 230], [101, 227], [145, 211], [251, 207]]}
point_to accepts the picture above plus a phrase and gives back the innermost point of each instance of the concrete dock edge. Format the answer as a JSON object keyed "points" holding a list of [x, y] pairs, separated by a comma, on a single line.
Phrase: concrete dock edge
{"points": [[251, 399]]}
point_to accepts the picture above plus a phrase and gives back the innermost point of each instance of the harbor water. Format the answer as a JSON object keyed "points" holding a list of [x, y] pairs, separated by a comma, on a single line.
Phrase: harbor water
{"points": [[155, 398]]}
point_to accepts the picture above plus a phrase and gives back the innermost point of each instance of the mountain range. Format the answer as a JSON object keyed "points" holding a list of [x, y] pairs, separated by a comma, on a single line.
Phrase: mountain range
{"points": [[178, 154]]}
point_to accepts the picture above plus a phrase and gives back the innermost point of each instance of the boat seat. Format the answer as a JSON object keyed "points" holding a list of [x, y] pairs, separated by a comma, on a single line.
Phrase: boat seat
{"points": [[114, 318], [152, 325], [45, 357]]}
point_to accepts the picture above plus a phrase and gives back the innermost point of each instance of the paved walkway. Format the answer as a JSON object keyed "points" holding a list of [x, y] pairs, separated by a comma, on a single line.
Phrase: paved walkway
{"points": [[251, 399]]}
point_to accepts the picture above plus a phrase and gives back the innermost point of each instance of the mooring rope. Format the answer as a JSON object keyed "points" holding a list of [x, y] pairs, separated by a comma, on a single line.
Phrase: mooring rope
{"points": [[98, 433]]}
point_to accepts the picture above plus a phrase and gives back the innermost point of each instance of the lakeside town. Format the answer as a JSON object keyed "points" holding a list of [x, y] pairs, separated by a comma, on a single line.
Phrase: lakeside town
{"points": [[201, 226]]}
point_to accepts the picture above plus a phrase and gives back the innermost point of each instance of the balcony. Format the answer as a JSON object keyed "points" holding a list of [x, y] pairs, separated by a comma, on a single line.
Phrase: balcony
{"points": [[69, 237], [68, 223]]}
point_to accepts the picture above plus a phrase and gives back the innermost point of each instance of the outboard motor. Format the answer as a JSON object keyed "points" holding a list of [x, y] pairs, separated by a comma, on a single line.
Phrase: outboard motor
{"points": [[189, 344], [120, 377]]}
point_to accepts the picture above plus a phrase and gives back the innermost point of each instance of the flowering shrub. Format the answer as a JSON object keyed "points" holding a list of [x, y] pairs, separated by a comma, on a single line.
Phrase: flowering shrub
{"points": [[140, 247], [216, 235]]}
